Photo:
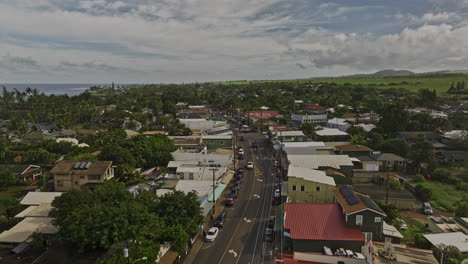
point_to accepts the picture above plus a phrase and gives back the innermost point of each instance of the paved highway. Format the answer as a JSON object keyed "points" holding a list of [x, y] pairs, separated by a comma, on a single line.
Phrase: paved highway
{"points": [[242, 238]]}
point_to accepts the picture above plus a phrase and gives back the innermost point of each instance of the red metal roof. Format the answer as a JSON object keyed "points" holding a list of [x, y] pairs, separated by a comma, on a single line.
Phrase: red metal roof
{"points": [[315, 107], [264, 114], [318, 222]]}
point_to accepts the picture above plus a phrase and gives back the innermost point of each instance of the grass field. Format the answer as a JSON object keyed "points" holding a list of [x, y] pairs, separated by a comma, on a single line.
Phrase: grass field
{"points": [[444, 196], [413, 83]]}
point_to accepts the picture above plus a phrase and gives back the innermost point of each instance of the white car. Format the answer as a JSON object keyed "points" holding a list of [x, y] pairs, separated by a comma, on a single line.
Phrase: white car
{"points": [[250, 165], [212, 234], [241, 152], [277, 193], [403, 225]]}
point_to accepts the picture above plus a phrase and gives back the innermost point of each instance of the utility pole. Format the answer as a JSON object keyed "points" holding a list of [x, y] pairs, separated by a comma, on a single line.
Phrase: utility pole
{"points": [[388, 185], [214, 201]]}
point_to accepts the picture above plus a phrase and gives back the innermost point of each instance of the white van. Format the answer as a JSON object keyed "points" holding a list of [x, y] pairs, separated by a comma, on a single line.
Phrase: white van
{"points": [[427, 208]]}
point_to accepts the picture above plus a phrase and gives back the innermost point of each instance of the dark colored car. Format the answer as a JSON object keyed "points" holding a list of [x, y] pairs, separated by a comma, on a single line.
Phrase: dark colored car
{"points": [[241, 157], [233, 194], [271, 222], [241, 138], [269, 235], [219, 222], [240, 170], [230, 202], [254, 145], [236, 186]]}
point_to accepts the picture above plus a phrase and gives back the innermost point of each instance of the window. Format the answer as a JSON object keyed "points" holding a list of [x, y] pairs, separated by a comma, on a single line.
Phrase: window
{"points": [[378, 219], [359, 219], [221, 142], [94, 177], [82, 177], [294, 187], [302, 188], [317, 188], [367, 236], [191, 176], [76, 183], [388, 239]]}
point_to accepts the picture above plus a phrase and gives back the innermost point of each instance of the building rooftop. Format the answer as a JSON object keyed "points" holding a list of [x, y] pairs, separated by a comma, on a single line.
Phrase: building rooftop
{"points": [[338, 121], [457, 239], [18, 169], [302, 144], [67, 167], [318, 222], [295, 133], [37, 198], [22, 231], [310, 175], [315, 107], [352, 147], [387, 157], [404, 255], [330, 132], [317, 161], [353, 202], [41, 210], [391, 231]]}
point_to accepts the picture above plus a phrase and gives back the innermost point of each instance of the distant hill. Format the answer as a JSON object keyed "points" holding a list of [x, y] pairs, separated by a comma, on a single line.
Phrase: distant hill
{"points": [[385, 73]]}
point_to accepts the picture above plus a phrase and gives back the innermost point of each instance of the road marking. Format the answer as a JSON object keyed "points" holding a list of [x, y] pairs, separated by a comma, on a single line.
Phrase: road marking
{"points": [[233, 252], [247, 220], [256, 195], [260, 180]]}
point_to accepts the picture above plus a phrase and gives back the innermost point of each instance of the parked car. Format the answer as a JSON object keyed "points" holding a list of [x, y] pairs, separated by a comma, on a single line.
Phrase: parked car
{"points": [[402, 223], [236, 186], [277, 193], [241, 138], [233, 194], [241, 156], [264, 133], [250, 165], [211, 234], [427, 208], [219, 222], [271, 222], [269, 235], [358, 255], [241, 152], [230, 202]]}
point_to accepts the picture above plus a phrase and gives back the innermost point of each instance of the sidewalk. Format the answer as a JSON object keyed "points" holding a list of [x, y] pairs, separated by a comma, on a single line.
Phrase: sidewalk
{"points": [[207, 224]]}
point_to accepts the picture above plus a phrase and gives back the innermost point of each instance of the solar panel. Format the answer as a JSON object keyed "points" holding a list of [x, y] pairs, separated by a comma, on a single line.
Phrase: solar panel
{"points": [[346, 192], [82, 165], [352, 200], [77, 165], [88, 164]]}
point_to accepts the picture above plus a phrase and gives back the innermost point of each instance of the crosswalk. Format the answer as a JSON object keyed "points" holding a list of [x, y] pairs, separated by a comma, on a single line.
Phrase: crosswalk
{"points": [[267, 249]]}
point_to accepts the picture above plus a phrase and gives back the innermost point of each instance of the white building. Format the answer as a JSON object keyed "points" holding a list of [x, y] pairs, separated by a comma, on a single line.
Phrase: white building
{"points": [[339, 123], [322, 118]]}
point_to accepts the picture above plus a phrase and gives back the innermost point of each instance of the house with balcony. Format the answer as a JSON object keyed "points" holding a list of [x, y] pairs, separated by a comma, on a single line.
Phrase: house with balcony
{"points": [[23, 172], [75, 175], [313, 113]]}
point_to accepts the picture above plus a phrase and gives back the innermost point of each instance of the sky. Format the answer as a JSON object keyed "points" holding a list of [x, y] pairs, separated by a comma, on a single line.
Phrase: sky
{"points": [[164, 41]]}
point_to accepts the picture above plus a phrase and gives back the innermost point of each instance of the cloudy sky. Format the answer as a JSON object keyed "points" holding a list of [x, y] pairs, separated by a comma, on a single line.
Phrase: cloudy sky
{"points": [[148, 41]]}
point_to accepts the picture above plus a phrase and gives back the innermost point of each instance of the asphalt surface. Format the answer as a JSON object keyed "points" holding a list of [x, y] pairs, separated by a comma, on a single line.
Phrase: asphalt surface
{"points": [[241, 240]]}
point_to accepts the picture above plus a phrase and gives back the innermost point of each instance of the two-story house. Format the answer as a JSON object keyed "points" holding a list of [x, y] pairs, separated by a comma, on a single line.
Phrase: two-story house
{"points": [[73, 175], [361, 212], [309, 186], [311, 114]]}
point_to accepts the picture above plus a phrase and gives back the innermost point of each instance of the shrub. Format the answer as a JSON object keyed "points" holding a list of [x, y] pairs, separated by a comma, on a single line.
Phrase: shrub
{"points": [[423, 192], [421, 242], [441, 175], [418, 178]]}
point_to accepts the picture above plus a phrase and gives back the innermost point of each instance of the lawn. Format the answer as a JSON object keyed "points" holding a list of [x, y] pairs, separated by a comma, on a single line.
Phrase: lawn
{"points": [[443, 195], [440, 83], [414, 228], [12, 193]]}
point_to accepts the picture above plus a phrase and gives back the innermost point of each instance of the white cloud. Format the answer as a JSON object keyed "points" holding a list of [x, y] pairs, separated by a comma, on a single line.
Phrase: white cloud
{"points": [[196, 40]]}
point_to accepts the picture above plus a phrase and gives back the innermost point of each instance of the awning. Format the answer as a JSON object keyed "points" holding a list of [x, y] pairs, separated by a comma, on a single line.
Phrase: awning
{"points": [[218, 191]]}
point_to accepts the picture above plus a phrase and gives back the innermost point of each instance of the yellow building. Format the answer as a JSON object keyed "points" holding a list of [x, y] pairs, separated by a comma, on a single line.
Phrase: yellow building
{"points": [[309, 186], [73, 175]]}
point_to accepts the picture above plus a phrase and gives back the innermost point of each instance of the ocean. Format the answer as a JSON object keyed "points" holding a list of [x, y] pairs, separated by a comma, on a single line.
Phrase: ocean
{"points": [[52, 88]]}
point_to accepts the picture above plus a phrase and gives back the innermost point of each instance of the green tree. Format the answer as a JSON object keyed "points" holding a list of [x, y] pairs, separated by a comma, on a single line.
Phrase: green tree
{"points": [[6, 179], [461, 207], [423, 192], [394, 118], [394, 145], [143, 250], [395, 185], [96, 219], [179, 208], [358, 139], [177, 235], [421, 151], [18, 126], [451, 254]]}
